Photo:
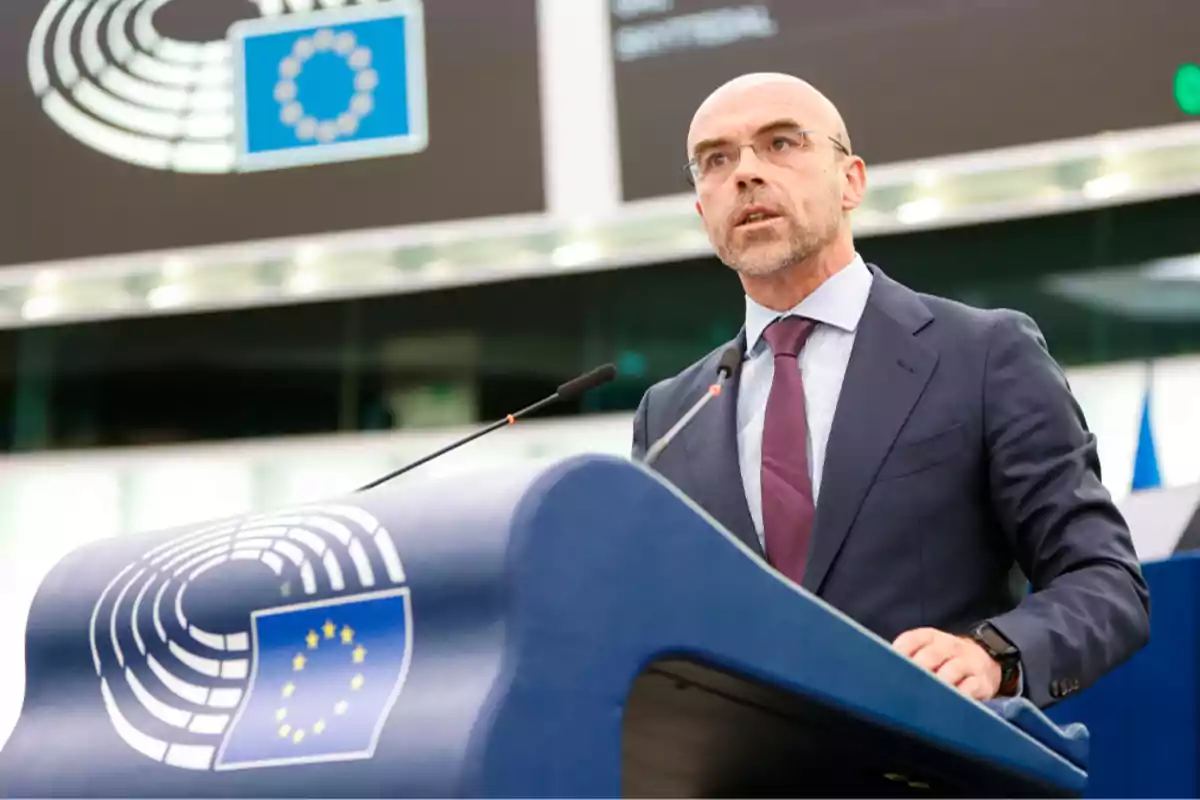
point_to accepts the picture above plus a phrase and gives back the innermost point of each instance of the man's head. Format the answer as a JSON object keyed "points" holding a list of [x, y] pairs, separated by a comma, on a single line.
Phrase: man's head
{"points": [[775, 183]]}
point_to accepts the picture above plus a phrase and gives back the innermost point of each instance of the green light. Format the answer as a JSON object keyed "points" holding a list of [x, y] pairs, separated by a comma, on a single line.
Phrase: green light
{"points": [[1187, 88]]}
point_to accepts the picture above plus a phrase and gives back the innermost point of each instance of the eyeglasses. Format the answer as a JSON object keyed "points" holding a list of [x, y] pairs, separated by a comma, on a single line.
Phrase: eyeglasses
{"points": [[775, 147]]}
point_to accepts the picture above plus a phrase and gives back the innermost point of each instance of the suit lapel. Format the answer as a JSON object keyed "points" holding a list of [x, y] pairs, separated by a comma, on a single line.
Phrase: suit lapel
{"points": [[714, 455], [887, 373]]}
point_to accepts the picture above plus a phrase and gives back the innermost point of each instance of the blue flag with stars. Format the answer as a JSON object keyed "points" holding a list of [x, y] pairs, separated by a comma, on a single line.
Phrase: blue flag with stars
{"points": [[325, 676], [335, 85]]}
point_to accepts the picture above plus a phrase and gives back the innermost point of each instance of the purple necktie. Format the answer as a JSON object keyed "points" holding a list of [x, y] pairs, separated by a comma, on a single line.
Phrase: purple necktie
{"points": [[787, 497]]}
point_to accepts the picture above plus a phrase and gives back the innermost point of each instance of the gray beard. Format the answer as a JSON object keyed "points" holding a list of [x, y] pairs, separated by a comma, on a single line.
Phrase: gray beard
{"points": [[801, 245]]}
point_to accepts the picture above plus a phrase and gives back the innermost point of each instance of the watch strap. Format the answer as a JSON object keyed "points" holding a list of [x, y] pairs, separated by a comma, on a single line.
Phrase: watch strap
{"points": [[1003, 652]]}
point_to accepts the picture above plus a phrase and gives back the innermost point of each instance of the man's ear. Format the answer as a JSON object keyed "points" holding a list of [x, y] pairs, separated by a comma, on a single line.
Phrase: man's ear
{"points": [[856, 184]]}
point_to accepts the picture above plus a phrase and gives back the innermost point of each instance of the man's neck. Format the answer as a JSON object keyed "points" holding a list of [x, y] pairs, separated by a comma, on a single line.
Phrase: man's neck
{"points": [[786, 288]]}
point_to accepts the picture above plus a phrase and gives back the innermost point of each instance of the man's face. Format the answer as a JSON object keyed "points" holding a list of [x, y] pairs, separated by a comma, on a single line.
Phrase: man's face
{"points": [[770, 206]]}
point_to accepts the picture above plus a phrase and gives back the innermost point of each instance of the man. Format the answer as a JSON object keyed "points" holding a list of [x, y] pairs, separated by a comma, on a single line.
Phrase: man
{"points": [[913, 461]]}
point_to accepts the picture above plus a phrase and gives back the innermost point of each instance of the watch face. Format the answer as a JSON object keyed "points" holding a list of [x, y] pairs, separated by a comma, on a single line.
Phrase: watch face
{"points": [[990, 638]]}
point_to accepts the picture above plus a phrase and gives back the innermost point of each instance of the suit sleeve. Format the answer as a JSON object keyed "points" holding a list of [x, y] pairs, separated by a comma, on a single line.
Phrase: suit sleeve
{"points": [[1089, 608], [640, 438]]}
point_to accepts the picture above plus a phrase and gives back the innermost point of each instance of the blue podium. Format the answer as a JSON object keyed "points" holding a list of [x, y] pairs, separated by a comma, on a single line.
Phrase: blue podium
{"points": [[573, 630]]}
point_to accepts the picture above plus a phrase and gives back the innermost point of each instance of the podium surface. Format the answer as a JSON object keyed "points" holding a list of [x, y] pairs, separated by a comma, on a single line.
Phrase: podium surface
{"points": [[573, 630]]}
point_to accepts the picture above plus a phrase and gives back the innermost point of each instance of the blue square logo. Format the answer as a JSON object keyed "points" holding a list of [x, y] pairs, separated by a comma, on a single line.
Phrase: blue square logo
{"points": [[326, 674], [336, 85]]}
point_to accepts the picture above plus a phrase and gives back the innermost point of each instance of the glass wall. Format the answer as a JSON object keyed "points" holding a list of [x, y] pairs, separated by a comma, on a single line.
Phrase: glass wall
{"points": [[465, 354]]}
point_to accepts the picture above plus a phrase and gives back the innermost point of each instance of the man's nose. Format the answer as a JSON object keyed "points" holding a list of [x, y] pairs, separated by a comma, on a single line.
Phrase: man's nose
{"points": [[748, 170]]}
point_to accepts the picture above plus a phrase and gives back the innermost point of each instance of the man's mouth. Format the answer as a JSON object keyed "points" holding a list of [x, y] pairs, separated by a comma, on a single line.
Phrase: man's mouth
{"points": [[755, 215]]}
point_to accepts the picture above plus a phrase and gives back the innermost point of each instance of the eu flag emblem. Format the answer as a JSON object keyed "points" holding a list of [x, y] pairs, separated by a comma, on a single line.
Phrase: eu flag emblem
{"points": [[334, 85], [325, 676]]}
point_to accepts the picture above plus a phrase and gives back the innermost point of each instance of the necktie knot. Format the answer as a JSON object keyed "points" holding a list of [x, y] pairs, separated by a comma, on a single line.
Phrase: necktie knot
{"points": [[786, 336]]}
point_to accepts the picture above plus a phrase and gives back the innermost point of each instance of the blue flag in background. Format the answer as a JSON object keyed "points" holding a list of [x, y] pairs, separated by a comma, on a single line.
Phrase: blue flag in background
{"points": [[334, 85], [325, 677], [1145, 460]]}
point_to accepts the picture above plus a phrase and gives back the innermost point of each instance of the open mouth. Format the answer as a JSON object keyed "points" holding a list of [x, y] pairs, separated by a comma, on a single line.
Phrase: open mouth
{"points": [[755, 216]]}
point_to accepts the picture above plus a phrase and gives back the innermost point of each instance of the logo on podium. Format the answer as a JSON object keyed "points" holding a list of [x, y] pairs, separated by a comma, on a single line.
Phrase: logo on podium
{"points": [[265, 641], [317, 689]]}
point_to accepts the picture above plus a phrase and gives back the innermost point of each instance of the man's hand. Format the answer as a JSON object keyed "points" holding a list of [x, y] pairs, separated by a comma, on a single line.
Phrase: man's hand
{"points": [[959, 662]]}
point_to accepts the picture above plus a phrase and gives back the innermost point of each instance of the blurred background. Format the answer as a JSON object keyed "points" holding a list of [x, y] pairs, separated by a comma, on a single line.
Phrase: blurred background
{"points": [[185, 335]]}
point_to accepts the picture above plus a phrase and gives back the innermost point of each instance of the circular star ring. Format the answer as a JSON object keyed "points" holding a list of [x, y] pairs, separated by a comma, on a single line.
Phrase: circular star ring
{"points": [[308, 128]]}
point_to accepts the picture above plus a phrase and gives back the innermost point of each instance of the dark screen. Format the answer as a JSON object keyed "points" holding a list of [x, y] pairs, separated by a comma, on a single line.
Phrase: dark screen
{"points": [[63, 199], [913, 79]]}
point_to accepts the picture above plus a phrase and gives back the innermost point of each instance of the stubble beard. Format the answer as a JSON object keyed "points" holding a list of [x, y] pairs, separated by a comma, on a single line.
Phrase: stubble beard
{"points": [[766, 258]]}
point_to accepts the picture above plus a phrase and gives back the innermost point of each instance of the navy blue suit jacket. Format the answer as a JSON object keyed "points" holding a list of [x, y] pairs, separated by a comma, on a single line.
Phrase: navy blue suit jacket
{"points": [[959, 472]]}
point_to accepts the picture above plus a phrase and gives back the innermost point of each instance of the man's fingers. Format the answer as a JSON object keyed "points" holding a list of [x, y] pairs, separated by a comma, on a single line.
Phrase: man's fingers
{"points": [[934, 656], [973, 686], [955, 671], [909, 642], [950, 658]]}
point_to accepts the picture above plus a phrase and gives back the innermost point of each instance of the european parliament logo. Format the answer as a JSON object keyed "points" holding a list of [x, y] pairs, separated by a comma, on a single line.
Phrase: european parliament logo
{"points": [[297, 82], [317, 689], [266, 641], [336, 85]]}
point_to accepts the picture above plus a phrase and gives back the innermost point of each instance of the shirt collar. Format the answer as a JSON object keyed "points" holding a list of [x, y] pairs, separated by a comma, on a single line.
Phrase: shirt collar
{"points": [[839, 301]]}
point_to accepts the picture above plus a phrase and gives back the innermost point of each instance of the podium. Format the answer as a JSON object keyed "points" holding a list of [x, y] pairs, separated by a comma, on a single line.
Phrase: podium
{"points": [[573, 630]]}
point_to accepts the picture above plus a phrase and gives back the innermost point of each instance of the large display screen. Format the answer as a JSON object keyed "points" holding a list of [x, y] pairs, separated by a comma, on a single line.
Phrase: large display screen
{"points": [[913, 78], [122, 118]]}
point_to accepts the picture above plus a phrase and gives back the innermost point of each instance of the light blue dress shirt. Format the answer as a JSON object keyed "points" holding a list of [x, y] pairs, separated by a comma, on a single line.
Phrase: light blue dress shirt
{"points": [[837, 305]]}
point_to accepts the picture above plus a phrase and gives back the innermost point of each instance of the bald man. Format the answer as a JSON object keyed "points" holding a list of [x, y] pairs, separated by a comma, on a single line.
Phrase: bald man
{"points": [[915, 462]]}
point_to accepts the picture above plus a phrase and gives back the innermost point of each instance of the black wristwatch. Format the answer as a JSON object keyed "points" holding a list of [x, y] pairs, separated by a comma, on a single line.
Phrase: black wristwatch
{"points": [[1003, 652]]}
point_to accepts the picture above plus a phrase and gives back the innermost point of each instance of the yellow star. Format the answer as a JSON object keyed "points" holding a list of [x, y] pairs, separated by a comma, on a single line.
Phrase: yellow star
{"points": [[312, 640], [281, 715], [359, 654], [341, 707], [289, 689], [329, 628], [347, 634], [298, 736], [298, 662], [356, 682], [319, 726], [284, 730]]}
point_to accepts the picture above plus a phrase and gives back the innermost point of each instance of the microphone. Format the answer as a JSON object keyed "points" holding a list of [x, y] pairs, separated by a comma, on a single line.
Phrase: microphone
{"points": [[725, 368], [572, 388]]}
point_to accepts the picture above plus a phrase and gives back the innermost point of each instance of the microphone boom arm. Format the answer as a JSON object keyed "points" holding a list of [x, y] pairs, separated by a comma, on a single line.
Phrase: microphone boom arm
{"points": [[654, 452], [726, 367], [572, 388], [500, 423]]}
